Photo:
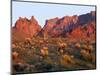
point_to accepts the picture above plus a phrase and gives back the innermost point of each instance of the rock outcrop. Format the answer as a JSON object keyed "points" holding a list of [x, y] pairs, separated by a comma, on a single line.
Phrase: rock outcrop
{"points": [[26, 28], [73, 26], [61, 27]]}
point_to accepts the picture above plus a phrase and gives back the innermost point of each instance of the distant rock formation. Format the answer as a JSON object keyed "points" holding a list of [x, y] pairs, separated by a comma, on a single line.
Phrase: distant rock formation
{"points": [[73, 26], [61, 27], [26, 28]]}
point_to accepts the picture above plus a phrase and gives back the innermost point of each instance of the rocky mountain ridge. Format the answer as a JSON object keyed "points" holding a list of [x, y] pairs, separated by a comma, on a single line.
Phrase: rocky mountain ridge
{"points": [[75, 26]]}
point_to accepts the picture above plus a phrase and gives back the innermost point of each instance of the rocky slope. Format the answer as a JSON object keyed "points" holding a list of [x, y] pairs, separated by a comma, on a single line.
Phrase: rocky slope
{"points": [[67, 26], [25, 28], [63, 26]]}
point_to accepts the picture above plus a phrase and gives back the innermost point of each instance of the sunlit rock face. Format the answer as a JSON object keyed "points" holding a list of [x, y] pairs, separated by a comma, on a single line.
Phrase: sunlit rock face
{"points": [[63, 26], [26, 27], [73, 26]]}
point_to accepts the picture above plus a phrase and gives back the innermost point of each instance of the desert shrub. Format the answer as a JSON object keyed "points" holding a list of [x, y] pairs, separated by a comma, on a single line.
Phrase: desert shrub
{"points": [[44, 51], [37, 49], [86, 55], [77, 45]]}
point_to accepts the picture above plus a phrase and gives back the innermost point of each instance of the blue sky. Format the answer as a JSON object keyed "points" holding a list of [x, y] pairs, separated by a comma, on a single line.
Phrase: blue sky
{"points": [[43, 11]]}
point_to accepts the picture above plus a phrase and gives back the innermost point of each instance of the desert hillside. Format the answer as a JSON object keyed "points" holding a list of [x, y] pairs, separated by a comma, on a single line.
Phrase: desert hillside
{"points": [[63, 44]]}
